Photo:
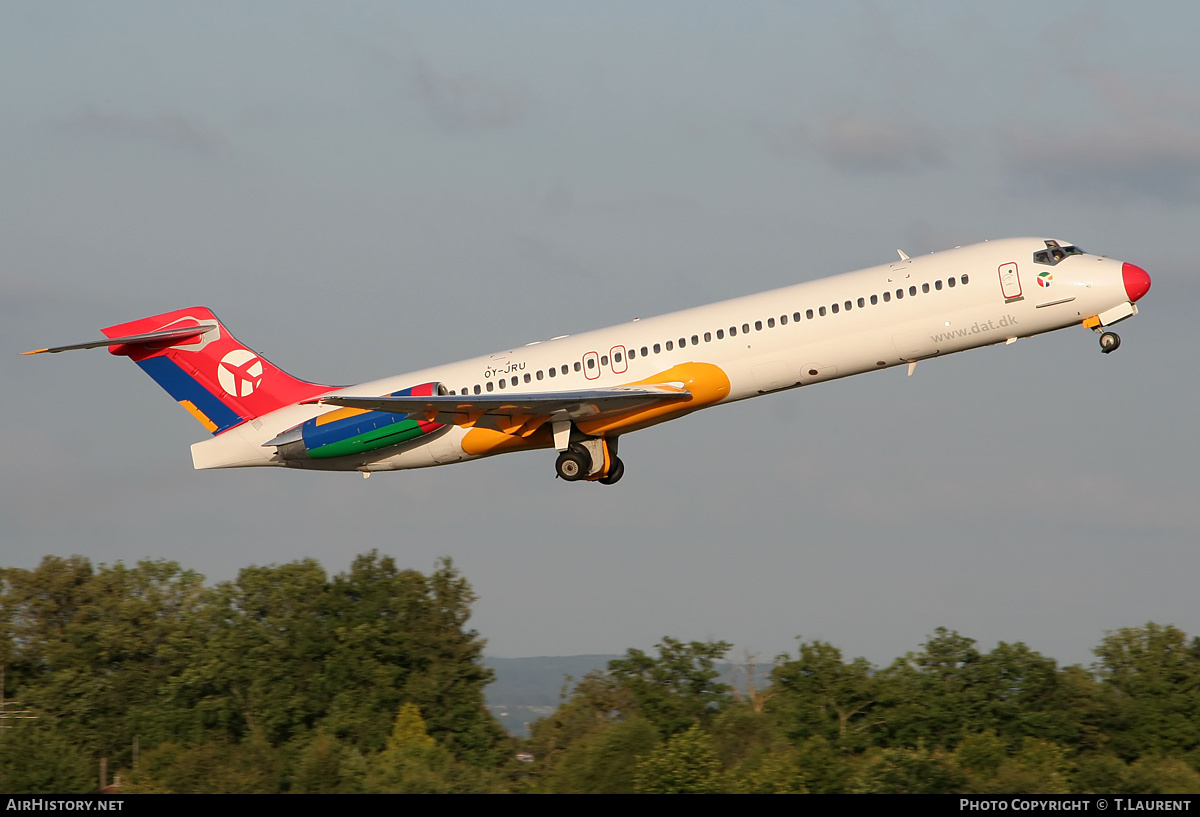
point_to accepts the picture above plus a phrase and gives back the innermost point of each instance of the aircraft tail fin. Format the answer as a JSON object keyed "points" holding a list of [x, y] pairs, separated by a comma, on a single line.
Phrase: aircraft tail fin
{"points": [[203, 367]]}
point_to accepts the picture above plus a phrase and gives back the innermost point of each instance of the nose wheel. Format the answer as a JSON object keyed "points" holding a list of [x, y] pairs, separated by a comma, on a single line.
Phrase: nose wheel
{"points": [[1109, 342]]}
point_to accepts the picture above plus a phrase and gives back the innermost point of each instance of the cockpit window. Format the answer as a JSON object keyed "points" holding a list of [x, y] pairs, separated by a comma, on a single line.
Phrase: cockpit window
{"points": [[1055, 252]]}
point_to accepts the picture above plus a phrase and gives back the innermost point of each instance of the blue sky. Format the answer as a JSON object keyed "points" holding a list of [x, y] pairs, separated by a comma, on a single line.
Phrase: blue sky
{"points": [[364, 189]]}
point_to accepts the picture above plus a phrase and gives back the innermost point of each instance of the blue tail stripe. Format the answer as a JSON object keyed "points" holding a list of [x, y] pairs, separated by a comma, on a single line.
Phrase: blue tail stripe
{"points": [[182, 386]]}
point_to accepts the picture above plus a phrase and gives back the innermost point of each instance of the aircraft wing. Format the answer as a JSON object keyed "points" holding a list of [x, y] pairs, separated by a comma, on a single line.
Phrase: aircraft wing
{"points": [[517, 410]]}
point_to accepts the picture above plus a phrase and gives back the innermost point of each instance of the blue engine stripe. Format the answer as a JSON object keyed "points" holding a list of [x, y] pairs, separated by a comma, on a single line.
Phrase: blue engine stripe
{"points": [[316, 436], [183, 386]]}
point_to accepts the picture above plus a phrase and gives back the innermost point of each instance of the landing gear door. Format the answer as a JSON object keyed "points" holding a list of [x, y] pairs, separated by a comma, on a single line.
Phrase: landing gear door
{"points": [[1010, 283]]}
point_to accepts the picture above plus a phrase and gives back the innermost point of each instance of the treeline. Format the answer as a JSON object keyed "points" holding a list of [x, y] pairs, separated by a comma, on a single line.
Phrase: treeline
{"points": [[288, 680], [947, 719], [283, 680]]}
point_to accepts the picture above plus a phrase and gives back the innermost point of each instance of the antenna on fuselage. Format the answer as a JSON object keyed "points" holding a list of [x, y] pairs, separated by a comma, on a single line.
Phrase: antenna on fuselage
{"points": [[903, 257]]}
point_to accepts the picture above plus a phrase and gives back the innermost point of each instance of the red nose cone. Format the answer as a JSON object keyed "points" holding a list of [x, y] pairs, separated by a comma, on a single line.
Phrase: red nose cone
{"points": [[1137, 282]]}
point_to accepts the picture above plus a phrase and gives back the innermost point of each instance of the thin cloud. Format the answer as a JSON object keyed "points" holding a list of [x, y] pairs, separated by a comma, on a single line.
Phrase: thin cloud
{"points": [[853, 144], [552, 261], [1153, 161], [170, 130], [1129, 137], [467, 101]]}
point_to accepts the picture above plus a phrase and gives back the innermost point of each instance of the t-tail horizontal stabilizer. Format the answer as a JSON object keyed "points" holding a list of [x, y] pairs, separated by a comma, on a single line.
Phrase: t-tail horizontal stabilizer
{"points": [[163, 338], [205, 369]]}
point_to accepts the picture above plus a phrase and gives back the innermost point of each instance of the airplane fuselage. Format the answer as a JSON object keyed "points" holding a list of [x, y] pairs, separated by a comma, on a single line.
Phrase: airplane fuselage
{"points": [[876, 318]]}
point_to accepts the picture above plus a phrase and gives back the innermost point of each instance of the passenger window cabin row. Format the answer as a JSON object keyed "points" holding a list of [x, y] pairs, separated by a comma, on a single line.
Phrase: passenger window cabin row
{"points": [[657, 348]]}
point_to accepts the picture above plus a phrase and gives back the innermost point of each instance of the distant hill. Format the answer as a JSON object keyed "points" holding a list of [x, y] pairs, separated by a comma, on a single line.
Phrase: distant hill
{"points": [[526, 689]]}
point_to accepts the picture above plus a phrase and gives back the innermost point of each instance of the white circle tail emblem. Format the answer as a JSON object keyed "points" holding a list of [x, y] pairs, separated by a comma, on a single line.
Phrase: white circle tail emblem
{"points": [[240, 372]]}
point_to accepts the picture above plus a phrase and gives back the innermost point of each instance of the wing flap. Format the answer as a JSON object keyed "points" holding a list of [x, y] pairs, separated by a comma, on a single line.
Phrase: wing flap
{"points": [[518, 413]]}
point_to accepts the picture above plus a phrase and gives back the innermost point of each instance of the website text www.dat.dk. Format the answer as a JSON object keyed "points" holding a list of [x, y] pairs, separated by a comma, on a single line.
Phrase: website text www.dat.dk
{"points": [[978, 328]]}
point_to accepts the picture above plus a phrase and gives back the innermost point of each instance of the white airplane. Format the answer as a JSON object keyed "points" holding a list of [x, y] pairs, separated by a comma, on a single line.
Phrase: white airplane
{"points": [[579, 394]]}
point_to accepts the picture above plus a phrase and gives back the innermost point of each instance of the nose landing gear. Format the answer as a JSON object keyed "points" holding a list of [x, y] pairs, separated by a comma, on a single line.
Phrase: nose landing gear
{"points": [[1109, 342]]}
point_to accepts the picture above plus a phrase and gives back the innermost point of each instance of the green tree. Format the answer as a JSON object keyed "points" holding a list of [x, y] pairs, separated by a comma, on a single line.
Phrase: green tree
{"points": [[739, 732], [224, 684], [930, 697], [951, 690], [1018, 687], [596, 702], [677, 689], [415, 763], [215, 767], [686, 764], [262, 668], [1156, 774], [1099, 773], [768, 771], [826, 770], [1038, 767], [94, 649], [908, 771], [36, 758], [821, 695], [288, 651], [1155, 672], [604, 761], [980, 756], [402, 637], [323, 766]]}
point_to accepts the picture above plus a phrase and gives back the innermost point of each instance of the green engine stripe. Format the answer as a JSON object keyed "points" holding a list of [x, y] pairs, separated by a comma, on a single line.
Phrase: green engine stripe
{"points": [[370, 440]]}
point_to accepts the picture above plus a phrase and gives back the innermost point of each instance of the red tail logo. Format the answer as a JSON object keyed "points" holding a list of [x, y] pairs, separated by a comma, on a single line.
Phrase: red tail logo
{"points": [[240, 372]]}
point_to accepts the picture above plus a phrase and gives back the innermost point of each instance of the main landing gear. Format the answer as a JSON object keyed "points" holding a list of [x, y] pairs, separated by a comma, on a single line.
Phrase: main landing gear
{"points": [[1109, 342], [588, 458], [573, 464], [616, 470]]}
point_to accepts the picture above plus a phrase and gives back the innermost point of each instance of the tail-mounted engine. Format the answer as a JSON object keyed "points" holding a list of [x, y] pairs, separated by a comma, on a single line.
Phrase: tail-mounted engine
{"points": [[346, 432]]}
